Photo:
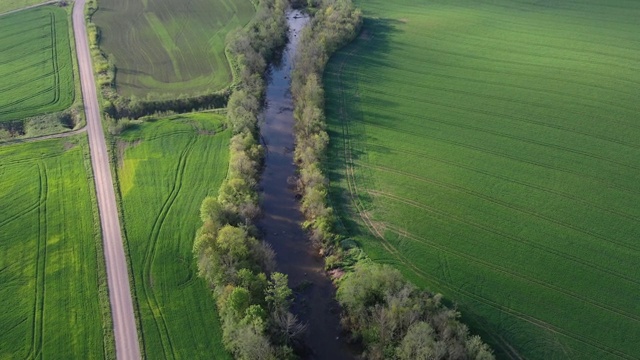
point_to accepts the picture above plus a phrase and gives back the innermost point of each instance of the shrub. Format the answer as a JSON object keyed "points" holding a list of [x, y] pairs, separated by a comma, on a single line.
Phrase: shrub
{"points": [[239, 268]]}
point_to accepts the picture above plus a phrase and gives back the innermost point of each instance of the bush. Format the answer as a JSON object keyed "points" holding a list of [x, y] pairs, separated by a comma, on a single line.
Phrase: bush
{"points": [[395, 320], [392, 318], [335, 24], [238, 267]]}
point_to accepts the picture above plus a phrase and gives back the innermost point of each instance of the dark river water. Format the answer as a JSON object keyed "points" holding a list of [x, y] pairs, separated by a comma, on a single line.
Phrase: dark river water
{"points": [[315, 305]]}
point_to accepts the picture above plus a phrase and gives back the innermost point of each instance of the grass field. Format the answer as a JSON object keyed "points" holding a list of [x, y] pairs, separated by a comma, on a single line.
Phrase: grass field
{"points": [[35, 63], [9, 5], [165, 170], [489, 149], [48, 256], [167, 47]]}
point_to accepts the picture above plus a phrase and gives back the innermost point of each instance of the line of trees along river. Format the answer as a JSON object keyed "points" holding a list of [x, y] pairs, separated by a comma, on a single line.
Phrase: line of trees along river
{"points": [[253, 299], [387, 314]]}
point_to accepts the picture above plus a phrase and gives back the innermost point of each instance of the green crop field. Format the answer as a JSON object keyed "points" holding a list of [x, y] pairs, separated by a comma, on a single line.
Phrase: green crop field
{"points": [[10, 5], [170, 47], [490, 150], [49, 261], [166, 168], [35, 63]]}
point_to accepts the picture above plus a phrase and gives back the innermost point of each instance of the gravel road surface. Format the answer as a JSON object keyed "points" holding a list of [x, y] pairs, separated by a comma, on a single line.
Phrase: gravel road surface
{"points": [[124, 322]]}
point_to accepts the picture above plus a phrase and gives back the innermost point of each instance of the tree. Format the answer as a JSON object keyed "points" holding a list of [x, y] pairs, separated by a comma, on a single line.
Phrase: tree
{"points": [[288, 328], [418, 344], [278, 294], [232, 241], [211, 210]]}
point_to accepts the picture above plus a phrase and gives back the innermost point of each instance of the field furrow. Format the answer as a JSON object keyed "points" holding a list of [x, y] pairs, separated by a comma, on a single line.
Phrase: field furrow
{"points": [[164, 49], [165, 168], [489, 150], [48, 256], [150, 257], [36, 63]]}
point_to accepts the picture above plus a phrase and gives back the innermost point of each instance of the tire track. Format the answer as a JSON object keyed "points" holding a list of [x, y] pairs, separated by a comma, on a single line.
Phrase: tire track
{"points": [[54, 58], [514, 118], [13, 46], [28, 209], [604, 182], [16, 85], [37, 324], [377, 230], [510, 180], [149, 258], [509, 136], [580, 100], [20, 101], [513, 238], [461, 189], [508, 272], [29, 7], [505, 309], [510, 49], [505, 71], [23, 55]]}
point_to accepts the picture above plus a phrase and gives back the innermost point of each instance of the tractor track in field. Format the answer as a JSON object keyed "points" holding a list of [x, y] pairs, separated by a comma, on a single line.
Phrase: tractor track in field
{"points": [[490, 265], [503, 204], [517, 239], [122, 311], [149, 258], [510, 180], [37, 331], [378, 230], [30, 7]]}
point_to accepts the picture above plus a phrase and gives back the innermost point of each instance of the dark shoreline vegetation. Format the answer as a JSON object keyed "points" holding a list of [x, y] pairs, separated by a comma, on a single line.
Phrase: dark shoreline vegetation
{"points": [[253, 300], [389, 315]]}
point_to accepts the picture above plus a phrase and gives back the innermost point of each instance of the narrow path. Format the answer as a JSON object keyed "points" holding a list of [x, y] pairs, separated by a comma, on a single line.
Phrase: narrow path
{"points": [[43, 137], [124, 322]]}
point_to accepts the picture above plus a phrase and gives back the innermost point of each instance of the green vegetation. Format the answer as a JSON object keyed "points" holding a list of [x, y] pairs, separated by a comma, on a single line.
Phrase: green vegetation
{"points": [[167, 48], [35, 63], [384, 312], [10, 5], [53, 292], [165, 169], [335, 24], [252, 299], [397, 321], [489, 150]]}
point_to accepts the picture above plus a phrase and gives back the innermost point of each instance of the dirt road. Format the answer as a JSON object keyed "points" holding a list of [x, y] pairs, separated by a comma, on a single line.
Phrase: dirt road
{"points": [[124, 322]]}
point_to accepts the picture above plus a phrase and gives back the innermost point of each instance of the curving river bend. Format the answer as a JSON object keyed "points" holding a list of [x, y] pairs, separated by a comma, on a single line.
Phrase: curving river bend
{"points": [[315, 304]]}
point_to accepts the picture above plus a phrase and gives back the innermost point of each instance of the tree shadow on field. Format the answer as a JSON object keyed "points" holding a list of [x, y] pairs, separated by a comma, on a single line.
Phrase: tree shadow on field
{"points": [[367, 54]]}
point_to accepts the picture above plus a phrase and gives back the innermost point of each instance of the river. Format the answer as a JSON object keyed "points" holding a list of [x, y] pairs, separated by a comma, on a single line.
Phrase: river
{"points": [[315, 304]]}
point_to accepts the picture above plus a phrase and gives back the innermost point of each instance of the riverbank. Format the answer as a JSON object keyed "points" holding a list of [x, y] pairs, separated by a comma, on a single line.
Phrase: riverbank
{"points": [[314, 301]]}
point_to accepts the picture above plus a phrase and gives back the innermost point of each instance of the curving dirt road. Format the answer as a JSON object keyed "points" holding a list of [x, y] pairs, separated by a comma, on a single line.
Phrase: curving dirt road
{"points": [[124, 322]]}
